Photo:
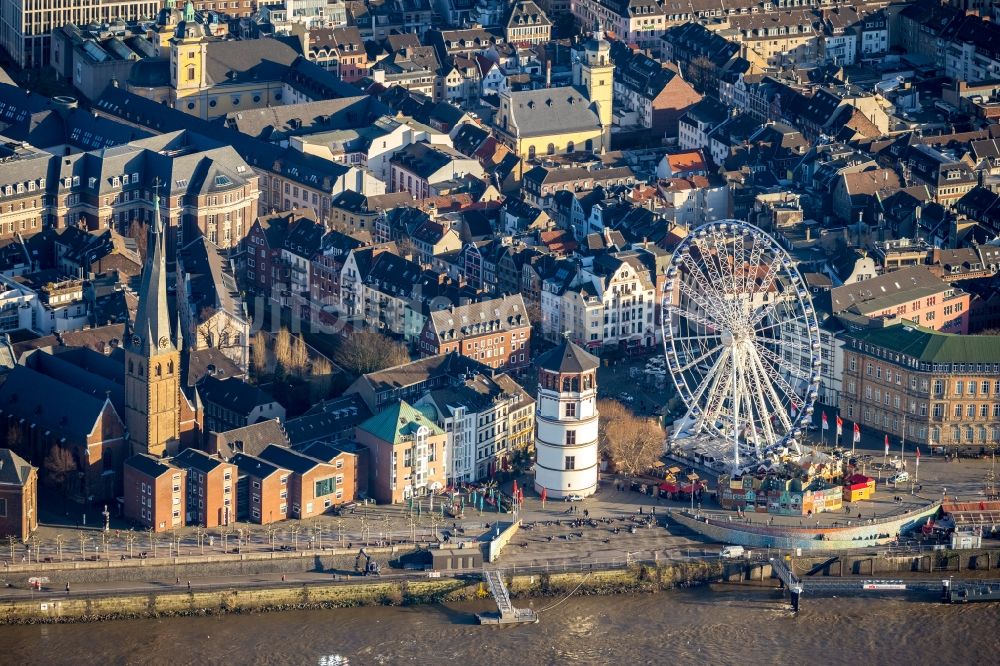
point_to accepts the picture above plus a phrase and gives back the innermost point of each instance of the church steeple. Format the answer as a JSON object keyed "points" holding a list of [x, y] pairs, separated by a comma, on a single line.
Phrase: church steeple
{"points": [[152, 359], [151, 332]]}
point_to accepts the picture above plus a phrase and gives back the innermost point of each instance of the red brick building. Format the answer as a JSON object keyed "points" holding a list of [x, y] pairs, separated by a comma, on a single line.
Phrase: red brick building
{"points": [[211, 488], [314, 486], [262, 266], [154, 493], [262, 490], [41, 412], [18, 496], [496, 333]]}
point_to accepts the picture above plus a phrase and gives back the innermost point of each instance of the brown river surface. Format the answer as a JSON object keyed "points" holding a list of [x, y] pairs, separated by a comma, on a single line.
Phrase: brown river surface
{"points": [[699, 626]]}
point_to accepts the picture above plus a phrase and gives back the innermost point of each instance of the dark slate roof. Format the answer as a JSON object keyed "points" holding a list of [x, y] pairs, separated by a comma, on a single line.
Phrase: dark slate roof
{"points": [[212, 361], [551, 111], [14, 469], [296, 462], [309, 170], [306, 118], [469, 137], [30, 393], [567, 357], [233, 394], [424, 159], [638, 72], [199, 460], [150, 466], [251, 439], [391, 273], [254, 466], [304, 238]]}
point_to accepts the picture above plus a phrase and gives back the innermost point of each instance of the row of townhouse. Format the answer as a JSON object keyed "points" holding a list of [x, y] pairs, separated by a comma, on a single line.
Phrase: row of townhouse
{"points": [[607, 305], [441, 420], [198, 488]]}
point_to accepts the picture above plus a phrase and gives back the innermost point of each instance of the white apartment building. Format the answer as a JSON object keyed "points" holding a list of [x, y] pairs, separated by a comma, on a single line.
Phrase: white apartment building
{"points": [[607, 305], [486, 420]]}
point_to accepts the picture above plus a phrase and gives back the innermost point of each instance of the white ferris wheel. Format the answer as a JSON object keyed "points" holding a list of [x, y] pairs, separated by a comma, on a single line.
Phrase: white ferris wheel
{"points": [[741, 338]]}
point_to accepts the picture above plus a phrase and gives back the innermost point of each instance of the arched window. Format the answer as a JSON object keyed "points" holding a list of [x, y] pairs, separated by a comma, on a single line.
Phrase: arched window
{"points": [[589, 144], [159, 369], [131, 368], [570, 147], [170, 367], [552, 149], [140, 370], [531, 152]]}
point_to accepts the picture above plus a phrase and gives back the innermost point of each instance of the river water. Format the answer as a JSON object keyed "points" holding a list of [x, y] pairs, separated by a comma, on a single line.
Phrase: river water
{"points": [[724, 625]]}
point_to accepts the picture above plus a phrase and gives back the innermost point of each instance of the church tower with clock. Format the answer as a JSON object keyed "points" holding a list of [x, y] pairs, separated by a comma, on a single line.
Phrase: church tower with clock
{"points": [[152, 358]]}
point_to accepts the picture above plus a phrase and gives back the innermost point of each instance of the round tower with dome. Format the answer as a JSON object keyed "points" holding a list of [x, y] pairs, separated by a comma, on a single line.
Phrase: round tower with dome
{"points": [[566, 417]]}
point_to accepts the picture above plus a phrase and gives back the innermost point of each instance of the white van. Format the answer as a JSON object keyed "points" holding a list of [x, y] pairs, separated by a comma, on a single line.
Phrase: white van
{"points": [[733, 552]]}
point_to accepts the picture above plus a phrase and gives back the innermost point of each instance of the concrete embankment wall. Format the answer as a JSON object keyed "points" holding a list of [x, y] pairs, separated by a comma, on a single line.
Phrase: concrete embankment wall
{"points": [[195, 566], [889, 563], [69, 608], [57, 607]]}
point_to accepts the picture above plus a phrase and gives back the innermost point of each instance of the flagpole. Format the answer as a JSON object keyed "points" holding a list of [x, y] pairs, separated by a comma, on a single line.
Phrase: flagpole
{"points": [[902, 443]]}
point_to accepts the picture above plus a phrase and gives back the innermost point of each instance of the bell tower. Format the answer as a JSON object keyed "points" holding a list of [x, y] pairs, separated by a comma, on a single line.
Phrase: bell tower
{"points": [[594, 72], [152, 358]]}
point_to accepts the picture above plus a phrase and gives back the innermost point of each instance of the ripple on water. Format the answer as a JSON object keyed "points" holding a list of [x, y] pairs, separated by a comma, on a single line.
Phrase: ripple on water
{"points": [[698, 625]]}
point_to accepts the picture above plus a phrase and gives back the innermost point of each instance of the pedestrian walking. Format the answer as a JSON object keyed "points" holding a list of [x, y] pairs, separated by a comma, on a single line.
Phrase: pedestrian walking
{"points": [[67, 588], [177, 581], [189, 586]]}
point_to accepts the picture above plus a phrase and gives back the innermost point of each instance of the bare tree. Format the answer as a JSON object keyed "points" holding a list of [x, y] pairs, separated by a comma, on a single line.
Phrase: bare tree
{"points": [[321, 379], [59, 466], [367, 351], [630, 442], [259, 355], [283, 349], [300, 357]]}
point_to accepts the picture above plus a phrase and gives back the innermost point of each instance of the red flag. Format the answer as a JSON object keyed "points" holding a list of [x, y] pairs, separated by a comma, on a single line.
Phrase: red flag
{"points": [[513, 493], [857, 432], [826, 426], [887, 445], [840, 426], [544, 495], [918, 455]]}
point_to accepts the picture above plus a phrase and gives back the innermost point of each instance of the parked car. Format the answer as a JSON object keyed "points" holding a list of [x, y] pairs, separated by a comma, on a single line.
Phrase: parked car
{"points": [[732, 552], [900, 477], [574, 498]]}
